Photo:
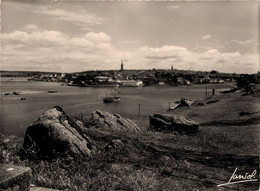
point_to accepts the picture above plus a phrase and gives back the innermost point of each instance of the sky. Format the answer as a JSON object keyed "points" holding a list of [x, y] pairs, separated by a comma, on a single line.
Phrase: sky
{"points": [[74, 36]]}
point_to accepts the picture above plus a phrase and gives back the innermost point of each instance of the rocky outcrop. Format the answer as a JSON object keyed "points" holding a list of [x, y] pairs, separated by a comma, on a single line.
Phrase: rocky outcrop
{"points": [[9, 147], [14, 177], [169, 123], [112, 121], [55, 134]]}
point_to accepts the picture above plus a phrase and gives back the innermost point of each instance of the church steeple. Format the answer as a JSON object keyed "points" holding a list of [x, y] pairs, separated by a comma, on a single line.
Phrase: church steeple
{"points": [[122, 65]]}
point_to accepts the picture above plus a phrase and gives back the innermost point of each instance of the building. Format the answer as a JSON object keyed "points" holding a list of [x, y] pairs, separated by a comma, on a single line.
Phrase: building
{"points": [[161, 83], [132, 83], [101, 79]]}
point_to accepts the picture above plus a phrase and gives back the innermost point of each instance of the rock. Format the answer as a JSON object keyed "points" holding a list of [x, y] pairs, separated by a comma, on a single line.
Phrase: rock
{"points": [[9, 147], [55, 134], [14, 177], [212, 101], [169, 123], [116, 144], [35, 188], [112, 121], [242, 113], [80, 123], [199, 103]]}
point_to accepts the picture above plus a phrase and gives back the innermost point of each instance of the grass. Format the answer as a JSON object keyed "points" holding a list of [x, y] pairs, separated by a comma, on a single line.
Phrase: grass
{"points": [[156, 160]]}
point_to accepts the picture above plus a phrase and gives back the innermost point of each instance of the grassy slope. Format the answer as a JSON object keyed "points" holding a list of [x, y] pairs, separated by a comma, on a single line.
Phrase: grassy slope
{"points": [[160, 161]]}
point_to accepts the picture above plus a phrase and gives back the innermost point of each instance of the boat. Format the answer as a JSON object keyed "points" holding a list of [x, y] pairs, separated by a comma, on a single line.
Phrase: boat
{"points": [[71, 84], [52, 91], [16, 93], [111, 99]]}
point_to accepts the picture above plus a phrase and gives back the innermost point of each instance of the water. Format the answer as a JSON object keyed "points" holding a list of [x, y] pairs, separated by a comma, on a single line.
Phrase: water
{"points": [[17, 114]]}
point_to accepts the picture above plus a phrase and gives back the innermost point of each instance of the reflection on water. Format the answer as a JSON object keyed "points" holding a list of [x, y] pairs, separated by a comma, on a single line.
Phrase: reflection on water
{"points": [[17, 114]]}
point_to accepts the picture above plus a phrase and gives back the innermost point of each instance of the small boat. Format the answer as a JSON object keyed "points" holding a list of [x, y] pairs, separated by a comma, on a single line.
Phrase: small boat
{"points": [[52, 91], [16, 93], [111, 99], [114, 98]]}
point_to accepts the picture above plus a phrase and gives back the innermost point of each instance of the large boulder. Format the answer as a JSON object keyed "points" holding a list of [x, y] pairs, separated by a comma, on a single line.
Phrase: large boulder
{"points": [[112, 121], [55, 134], [169, 123]]}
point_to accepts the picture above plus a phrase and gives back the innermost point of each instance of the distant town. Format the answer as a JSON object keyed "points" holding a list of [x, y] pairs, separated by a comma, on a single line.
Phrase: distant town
{"points": [[132, 78]]}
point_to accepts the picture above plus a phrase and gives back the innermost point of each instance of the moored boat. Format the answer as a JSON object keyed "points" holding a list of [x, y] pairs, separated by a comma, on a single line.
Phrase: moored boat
{"points": [[52, 91], [111, 99]]}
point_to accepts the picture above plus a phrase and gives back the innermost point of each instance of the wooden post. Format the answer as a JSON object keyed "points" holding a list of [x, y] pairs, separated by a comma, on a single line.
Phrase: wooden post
{"points": [[139, 108], [81, 116], [213, 92], [206, 93], [169, 105]]}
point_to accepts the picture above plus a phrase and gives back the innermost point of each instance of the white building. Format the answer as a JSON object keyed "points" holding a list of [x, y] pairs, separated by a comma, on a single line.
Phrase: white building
{"points": [[132, 83], [101, 78]]}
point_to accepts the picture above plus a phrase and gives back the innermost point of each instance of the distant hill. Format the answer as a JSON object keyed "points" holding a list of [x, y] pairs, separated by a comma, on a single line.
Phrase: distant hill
{"points": [[5, 73]]}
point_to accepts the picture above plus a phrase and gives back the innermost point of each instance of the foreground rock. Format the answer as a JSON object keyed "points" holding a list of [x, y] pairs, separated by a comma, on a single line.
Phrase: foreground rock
{"points": [[112, 121], [169, 123], [55, 134], [9, 147], [14, 177]]}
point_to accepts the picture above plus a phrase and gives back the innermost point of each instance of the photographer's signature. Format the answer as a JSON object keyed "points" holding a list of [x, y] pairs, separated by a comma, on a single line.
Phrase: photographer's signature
{"points": [[239, 178]]}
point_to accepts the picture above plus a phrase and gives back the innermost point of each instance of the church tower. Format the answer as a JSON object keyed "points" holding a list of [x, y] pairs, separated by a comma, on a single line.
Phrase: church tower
{"points": [[122, 65]]}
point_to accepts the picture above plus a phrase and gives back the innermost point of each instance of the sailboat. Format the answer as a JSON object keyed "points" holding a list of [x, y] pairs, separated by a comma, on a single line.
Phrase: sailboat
{"points": [[110, 99]]}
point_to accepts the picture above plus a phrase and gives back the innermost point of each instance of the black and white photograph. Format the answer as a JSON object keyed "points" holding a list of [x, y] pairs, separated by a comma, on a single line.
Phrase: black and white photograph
{"points": [[135, 95]]}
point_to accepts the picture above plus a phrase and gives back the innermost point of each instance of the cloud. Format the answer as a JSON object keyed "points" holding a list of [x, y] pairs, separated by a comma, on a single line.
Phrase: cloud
{"points": [[243, 46], [98, 37], [182, 58], [164, 53], [81, 17], [229, 61], [243, 43], [31, 28], [127, 42], [165, 56], [33, 48], [206, 37], [35, 38], [55, 51], [173, 7]]}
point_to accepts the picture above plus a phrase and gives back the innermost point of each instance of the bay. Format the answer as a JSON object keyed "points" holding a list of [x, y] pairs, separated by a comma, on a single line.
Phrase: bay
{"points": [[17, 114]]}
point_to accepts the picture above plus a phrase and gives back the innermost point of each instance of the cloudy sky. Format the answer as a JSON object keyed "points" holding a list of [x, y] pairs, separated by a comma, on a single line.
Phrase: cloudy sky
{"points": [[72, 36]]}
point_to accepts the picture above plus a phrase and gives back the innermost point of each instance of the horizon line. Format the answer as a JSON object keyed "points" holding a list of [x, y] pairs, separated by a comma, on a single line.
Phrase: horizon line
{"points": [[153, 69]]}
